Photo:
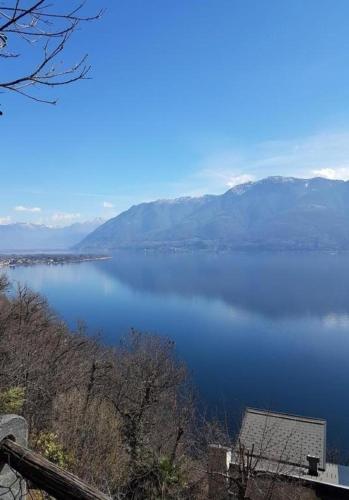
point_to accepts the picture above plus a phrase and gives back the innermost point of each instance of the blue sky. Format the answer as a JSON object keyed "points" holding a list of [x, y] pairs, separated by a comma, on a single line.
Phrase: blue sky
{"points": [[187, 97]]}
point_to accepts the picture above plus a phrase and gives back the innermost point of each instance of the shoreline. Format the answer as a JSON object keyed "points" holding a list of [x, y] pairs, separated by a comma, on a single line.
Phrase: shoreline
{"points": [[22, 260]]}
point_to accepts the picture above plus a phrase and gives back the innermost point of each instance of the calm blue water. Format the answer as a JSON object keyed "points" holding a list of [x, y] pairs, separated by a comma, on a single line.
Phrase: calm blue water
{"points": [[264, 330]]}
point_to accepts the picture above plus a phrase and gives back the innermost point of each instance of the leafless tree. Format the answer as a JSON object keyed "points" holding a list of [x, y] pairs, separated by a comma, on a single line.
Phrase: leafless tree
{"points": [[39, 31], [149, 392], [123, 417]]}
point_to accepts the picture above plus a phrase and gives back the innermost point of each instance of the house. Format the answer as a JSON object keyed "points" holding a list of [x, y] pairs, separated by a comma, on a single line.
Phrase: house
{"points": [[270, 446]]}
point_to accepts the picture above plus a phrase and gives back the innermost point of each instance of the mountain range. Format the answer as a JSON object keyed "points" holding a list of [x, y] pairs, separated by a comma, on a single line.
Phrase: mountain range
{"points": [[30, 237], [276, 213]]}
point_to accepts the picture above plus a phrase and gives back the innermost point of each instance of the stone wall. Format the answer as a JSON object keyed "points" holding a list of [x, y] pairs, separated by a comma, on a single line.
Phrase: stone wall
{"points": [[11, 485]]}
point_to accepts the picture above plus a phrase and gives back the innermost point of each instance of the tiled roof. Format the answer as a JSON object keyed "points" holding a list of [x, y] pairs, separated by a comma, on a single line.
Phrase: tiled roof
{"points": [[283, 438]]}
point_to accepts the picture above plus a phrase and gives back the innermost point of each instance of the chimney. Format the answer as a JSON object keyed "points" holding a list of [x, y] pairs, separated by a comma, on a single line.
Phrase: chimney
{"points": [[219, 458], [313, 464]]}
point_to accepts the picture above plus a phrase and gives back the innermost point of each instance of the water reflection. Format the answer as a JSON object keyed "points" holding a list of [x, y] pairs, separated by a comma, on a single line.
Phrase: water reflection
{"points": [[280, 284]]}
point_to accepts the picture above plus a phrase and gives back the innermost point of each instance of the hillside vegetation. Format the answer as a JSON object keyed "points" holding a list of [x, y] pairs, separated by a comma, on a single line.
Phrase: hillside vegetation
{"points": [[121, 418]]}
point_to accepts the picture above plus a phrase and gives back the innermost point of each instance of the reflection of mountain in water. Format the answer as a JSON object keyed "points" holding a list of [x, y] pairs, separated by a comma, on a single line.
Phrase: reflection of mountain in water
{"points": [[271, 284]]}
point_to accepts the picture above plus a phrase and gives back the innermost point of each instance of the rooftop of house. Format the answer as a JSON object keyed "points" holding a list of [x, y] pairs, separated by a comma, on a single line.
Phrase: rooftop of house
{"points": [[290, 445], [284, 438]]}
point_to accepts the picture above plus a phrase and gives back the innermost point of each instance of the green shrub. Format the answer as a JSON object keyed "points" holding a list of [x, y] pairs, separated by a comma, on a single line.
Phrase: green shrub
{"points": [[12, 400], [48, 445]]}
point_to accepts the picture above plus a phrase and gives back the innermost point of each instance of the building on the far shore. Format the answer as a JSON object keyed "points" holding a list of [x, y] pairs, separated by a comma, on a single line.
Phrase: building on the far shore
{"points": [[276, 445]]}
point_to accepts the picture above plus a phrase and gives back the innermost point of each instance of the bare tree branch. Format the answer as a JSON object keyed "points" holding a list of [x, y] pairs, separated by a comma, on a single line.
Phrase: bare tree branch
{"points": [[47, 29]]}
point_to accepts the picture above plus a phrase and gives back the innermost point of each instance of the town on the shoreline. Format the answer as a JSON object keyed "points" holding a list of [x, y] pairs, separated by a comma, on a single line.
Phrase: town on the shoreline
{"points": [[47, 259]]}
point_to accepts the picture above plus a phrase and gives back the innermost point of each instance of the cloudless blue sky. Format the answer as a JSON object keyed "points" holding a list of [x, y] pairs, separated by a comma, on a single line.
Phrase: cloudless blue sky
{"points": [[186, 97]]}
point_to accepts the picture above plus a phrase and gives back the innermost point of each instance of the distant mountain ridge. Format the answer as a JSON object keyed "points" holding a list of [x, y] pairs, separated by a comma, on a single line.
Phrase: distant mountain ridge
{"points": [[276, 213], [22, 236]]}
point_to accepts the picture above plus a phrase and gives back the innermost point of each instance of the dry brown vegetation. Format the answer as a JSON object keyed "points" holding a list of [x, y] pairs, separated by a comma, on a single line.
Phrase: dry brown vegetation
{"points": [[121, 418]]}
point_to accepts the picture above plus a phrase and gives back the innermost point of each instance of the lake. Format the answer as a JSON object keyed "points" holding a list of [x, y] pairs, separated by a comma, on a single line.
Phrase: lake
{"points": [[264, 330]]}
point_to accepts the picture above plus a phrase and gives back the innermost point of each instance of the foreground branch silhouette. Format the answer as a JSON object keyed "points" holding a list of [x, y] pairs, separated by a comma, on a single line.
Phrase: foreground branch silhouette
{"points": [[40, 30]]}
